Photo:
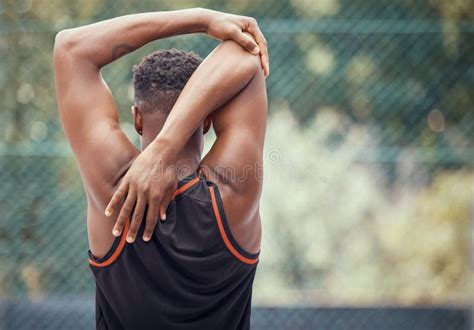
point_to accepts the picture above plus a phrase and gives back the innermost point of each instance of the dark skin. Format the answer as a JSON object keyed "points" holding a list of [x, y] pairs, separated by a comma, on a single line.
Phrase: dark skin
{"points": [[227, 89]]}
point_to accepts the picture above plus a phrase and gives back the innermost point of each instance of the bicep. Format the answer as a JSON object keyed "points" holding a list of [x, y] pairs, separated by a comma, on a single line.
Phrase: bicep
{"points": [[88, 115]]}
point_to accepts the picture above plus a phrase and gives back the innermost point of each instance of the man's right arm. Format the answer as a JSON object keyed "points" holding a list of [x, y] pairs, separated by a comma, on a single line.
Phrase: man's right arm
{"points": [[239, 124]]}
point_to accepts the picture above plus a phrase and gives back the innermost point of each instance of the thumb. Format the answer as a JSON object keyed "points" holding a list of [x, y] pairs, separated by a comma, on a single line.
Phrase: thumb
{"points": [[247, 42]]}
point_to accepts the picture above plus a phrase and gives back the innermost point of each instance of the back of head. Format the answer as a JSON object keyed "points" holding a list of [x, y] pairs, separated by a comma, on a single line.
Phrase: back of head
{"points": [[160, 77]]}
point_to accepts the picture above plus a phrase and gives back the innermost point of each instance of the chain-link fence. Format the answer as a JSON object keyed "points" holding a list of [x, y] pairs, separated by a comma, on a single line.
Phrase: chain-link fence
{"points": [[370, 135]]}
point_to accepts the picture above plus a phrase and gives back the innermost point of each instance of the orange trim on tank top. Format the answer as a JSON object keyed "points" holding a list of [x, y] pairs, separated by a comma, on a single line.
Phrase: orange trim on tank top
{"points": [[185, 187], [117, 251], [223, 233]]}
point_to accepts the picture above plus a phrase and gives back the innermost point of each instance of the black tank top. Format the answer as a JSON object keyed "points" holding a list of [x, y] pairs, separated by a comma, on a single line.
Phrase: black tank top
{"points": [[192, 274]]}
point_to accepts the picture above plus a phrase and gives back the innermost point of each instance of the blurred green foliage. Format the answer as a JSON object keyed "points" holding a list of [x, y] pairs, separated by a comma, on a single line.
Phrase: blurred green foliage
{"points": [[335, 233], [369, 183]]}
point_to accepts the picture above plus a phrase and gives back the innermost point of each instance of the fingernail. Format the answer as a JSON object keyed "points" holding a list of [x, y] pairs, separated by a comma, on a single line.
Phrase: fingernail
{"points": [[146, 238], [163, 217], [129, 239], [108, 212], [256, 51], [116, 232]]}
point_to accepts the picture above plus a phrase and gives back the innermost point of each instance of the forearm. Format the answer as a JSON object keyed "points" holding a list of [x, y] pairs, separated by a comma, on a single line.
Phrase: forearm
{"points": [[103, 42], [221, 76]]}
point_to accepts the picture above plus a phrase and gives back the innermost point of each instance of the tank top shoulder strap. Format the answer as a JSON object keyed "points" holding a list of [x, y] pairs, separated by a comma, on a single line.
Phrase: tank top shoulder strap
{"points": [[224, 229]]}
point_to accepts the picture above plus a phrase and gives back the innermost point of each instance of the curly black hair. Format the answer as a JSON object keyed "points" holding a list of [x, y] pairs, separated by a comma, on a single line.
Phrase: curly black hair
{"points": [[161, 76]]}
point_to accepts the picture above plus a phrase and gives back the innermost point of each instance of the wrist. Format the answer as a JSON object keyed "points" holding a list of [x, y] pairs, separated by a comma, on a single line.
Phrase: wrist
{"points": [[165, 148], [203, 18]]}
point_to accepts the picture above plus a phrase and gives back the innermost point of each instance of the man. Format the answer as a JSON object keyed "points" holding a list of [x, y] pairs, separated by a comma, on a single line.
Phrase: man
{"points": [[195, 268]]}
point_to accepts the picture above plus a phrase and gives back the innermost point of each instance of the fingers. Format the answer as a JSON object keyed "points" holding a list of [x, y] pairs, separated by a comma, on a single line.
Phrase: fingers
{"points": [[165, 203], [151, 219], [136, 219], [262, 44], [117, 198], [246, 42], [125, 213]]}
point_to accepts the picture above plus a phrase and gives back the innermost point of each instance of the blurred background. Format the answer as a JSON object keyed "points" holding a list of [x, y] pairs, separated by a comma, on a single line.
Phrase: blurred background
{"points": [[367, 207]]}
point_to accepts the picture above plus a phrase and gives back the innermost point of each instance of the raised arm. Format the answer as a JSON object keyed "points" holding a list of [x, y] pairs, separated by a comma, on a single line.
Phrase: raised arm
{"points": [[86, 105], [229, 85]]}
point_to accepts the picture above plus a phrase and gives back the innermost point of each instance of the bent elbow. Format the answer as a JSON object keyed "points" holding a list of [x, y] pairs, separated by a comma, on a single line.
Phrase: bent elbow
{"points": [[62, 40], [64, 44], [242, 57]]}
